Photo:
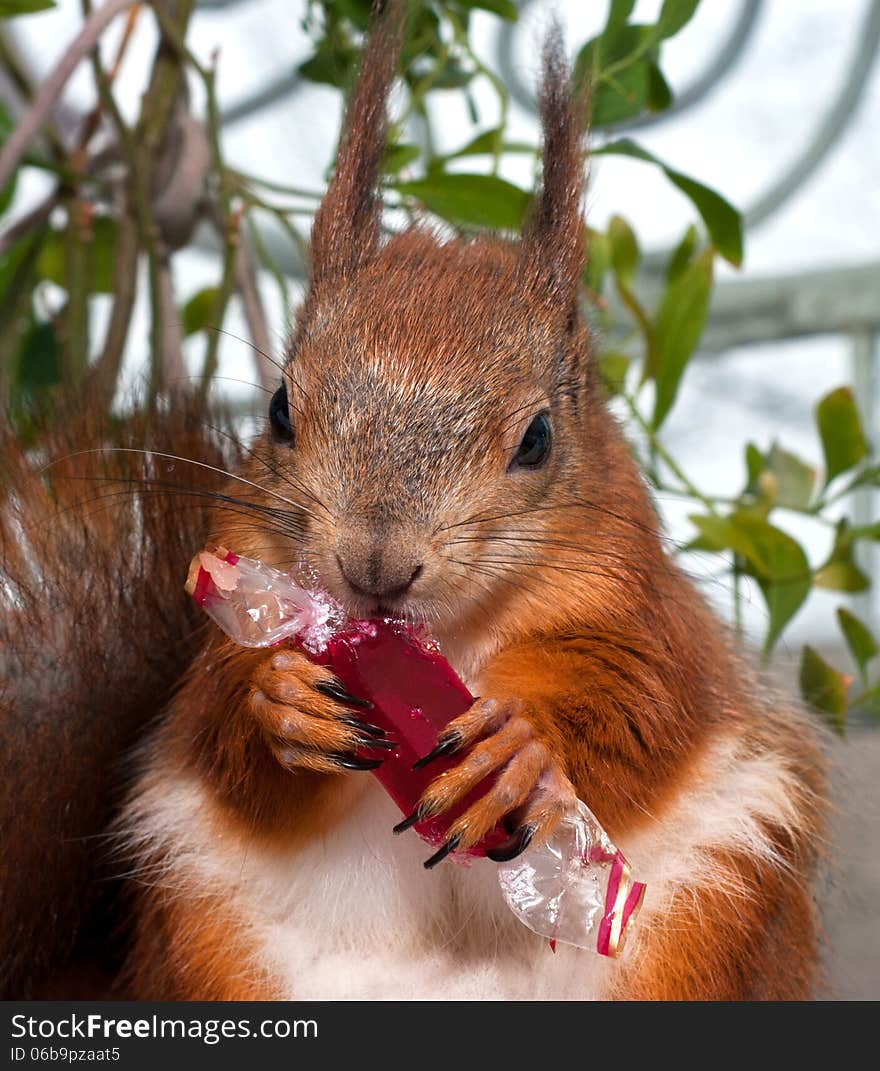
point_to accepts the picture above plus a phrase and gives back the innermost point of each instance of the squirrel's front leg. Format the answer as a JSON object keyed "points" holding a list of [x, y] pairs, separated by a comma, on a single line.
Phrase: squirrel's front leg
{"points": [[558, 718], [503, 735], [267, 730]]}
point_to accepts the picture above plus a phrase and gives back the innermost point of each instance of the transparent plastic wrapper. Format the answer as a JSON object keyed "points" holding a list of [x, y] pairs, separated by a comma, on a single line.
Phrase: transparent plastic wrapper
{"points": [[575, 889]]}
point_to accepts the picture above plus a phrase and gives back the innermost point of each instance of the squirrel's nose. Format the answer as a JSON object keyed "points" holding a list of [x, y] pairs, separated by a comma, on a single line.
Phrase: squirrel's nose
{"points": [[375, 575]]}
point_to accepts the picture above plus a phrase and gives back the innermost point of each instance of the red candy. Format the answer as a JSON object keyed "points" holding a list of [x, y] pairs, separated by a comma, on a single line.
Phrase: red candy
{"points": [[415, 693]]}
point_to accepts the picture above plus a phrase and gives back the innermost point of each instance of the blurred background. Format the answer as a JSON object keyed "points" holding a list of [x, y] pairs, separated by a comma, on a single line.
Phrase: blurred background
{"points": [[737, 177]]}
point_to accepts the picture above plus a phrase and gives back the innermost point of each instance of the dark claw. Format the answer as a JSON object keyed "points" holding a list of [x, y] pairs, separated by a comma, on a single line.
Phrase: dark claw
{"points": [[505, 852], [386, 745], [337, 692], [447, 744], [439, 856], [349, 762], [409, 821], [364, 727]]}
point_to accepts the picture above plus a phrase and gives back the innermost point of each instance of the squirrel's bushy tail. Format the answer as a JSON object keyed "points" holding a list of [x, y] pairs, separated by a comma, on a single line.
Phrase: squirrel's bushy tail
{"points": [[94, 629]]}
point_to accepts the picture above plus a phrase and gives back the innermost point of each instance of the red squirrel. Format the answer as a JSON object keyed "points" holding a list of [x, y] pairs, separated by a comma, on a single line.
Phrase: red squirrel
{"points": [[439, 447]]}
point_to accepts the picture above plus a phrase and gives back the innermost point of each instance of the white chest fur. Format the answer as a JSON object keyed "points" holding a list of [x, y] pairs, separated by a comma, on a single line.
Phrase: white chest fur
{"points": [[354, 914]]}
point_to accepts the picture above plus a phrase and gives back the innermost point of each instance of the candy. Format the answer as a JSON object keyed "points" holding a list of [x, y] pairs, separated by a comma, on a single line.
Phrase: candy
{"points": [[576, 888]]}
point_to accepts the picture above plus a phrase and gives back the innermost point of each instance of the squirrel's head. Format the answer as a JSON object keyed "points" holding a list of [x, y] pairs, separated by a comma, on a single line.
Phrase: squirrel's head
{"points": [[439, 417]]}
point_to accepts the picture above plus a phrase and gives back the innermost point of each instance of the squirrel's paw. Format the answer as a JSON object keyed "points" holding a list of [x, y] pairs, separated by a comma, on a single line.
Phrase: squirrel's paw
{"points": [[309, 720], [531, 792]]}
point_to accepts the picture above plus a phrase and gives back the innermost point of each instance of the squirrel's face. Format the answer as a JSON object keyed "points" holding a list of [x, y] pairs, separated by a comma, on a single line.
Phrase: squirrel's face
{"points": [[432, 424]]}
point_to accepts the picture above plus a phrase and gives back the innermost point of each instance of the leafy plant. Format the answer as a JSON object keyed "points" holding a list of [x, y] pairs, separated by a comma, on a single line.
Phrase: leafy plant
{"points": [[106, 216]]}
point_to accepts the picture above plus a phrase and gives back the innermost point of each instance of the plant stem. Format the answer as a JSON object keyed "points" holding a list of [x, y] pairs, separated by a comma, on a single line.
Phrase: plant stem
{"points": [[667, 459], [274, 187], [77, 242]]}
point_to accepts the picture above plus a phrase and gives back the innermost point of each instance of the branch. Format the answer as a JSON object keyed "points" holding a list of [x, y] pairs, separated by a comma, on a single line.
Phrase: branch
{"points": [[173, 374], [246, 283], [106, 368], [51, 88], [32, 221]]}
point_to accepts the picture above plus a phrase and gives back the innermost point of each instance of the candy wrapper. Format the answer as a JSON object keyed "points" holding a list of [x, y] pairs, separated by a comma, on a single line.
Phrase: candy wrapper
{"points": [[576, 888]]}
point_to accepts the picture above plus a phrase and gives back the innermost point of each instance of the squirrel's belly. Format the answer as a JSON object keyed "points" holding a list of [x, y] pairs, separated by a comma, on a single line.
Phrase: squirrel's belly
{"points": [[354, 914]]}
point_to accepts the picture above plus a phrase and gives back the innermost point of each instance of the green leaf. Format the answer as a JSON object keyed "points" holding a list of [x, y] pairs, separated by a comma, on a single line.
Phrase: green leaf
{"points": [[754, 467], [677, 329], [356, 10], [10, 8], [682, 255], [868, 701], [722, 220], [198, 312], [786, 480], [841, 576], [619, 12], [100, 256], [859, 639], [867, 531], [840, 428], [824, 688], [470, 200], [485, 144], [840, 572], [332, 66], [613, 367], [598, 258], [617, 66], [658, 96], [674, 16], [776, 561], [399, 156], [39, 359], [506, 9], [625, 253], [452, 76], [623, 97]]}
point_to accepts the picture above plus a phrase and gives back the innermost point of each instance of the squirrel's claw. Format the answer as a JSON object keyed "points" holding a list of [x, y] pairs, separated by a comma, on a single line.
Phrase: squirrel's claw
{"points": [[352, 762], [364, 727], [514, 847], [451, 844], [335, 691], [409, 821], [449, 742]]}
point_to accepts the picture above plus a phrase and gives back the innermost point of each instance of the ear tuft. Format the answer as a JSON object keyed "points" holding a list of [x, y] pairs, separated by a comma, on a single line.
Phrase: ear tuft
{"points": [[553, 252], [347, 224]]}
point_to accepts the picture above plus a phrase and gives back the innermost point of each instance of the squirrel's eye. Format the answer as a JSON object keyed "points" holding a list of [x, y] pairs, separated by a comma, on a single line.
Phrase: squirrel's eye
{"points": [[279, 416], [535, 445]]}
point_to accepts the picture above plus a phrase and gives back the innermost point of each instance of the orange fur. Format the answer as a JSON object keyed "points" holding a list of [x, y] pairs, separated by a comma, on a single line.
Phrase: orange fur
{"points": [[193, 948]]}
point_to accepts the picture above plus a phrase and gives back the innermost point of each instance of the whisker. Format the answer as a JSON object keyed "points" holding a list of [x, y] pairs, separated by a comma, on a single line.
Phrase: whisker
{"points": [[186, 461]]}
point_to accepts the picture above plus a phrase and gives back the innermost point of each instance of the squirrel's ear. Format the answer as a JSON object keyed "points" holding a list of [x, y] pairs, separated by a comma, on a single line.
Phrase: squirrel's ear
{"points": [[346, 229], [553, 253]]}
